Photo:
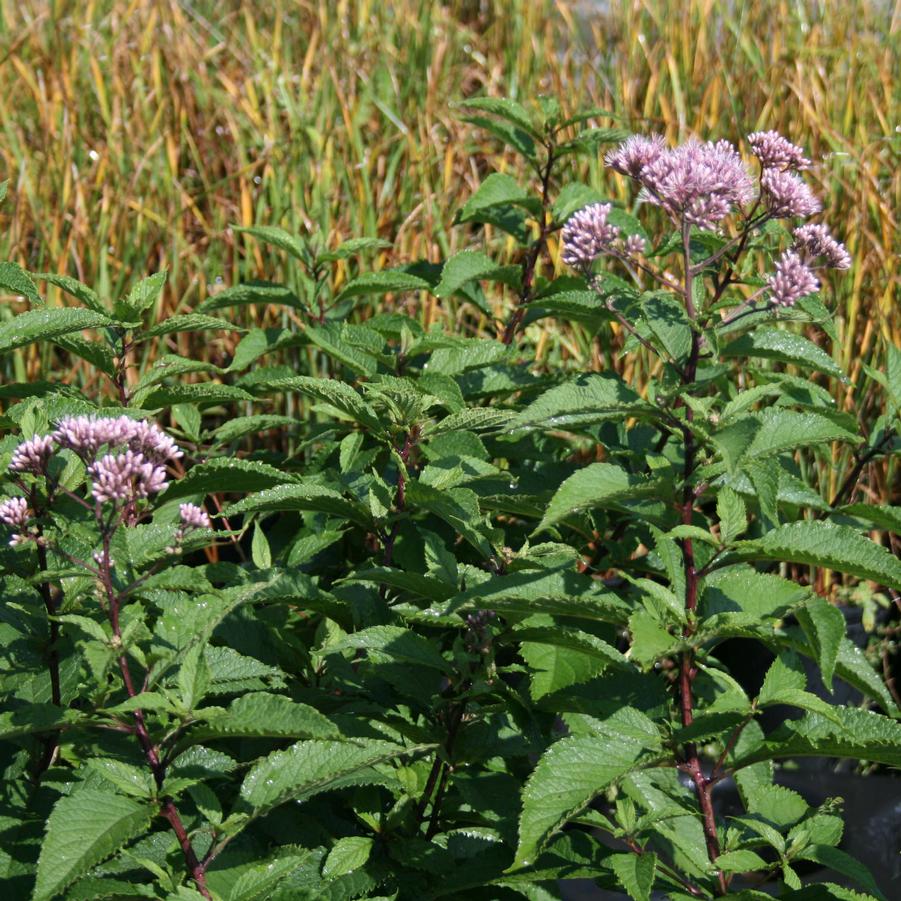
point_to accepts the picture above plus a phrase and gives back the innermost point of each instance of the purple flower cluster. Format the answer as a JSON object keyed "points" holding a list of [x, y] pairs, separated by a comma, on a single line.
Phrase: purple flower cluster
{"points": [[32, 455], [587, 234], [133, 467], [776, 152], [792, 280], [126, 477], [194, 517], [14, 512], [699, 183], [787, 195], [814, 242]]}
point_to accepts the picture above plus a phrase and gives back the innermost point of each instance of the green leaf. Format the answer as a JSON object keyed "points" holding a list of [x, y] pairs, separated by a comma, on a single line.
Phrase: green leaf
{"points": [[337, 395], [263, 293], [415, 583], [17, 281], [740, 862], [393, 642], [562, 592], [472, 265], [259, 548], [636, 872], [259, 882], [586, 400], [882, 516], [312, 497], [231, 474], [311, 767], [730, 510], [843, 863], [75, 288], [84, 829], [131, 780], [262, 715], [857, 734], [787, 347], [552, 668], [30, 718], [45, 325], [351, 248], [824, 544], [784, 430], [347, 854], [650, 639], [190, 322], [142, 296], [667, 320], [785, 674], [497, 190], [503, 108], [458, 507], [202, 394], [330, 338], [824, 626], [567, 778], [596, 486], [193, 677], [383, 282], [276, 237]]}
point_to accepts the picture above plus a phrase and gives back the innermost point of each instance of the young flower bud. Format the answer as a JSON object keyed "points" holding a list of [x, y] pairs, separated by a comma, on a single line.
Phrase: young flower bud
{"points": [[814, 241], [14, 512], [32, 455], [194, 517], [587, 235], [774, 151], [792, 281], [635, 153], [786, 195]]}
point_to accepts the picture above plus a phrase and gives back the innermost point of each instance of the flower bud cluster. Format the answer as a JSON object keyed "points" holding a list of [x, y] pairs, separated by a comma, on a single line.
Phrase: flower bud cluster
{"points": [[194, 517], [135, 463], [787, 195], [588, 234], [815, 242], [14, 512], [777, 152], [792, 280]]}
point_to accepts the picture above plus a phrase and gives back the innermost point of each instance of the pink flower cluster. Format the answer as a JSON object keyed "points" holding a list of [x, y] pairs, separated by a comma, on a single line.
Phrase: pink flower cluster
{"points": [[14, 512], [787, 195], [698, 183], [793, 280], [194, 517], [815, 242], [134, 466], [776, 152], [587, 234]]}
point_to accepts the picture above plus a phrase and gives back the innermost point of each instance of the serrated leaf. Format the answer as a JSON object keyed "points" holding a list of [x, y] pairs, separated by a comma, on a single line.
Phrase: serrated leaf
{"points": [[589, 399], [787, 347], [75, 288], [843, 863], [351, 248], [740, 862], [190, 322], [337, 395], [16, 280], [636, 873], [882, 516], [142, 296], [824, 626], [261, 715], [824, 544], [666, 318], [276, 237], [384, 281], [132, 780], [83, 829], [561, 592], [394, 642], [472, 265], [730, 510], [858, 734], [503, 108], [46, 324], [263, 293], [260, 881], [347, 854], [498, 189], [475, 419], [569, 775], [311, 497], [596, 486], [203, 394], [458, 507], [311, 767], [230, 474], [784, 430]]}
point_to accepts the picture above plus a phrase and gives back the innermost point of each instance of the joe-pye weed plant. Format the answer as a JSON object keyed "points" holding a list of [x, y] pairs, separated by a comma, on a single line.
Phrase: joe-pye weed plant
{"points": [[458, 632]]}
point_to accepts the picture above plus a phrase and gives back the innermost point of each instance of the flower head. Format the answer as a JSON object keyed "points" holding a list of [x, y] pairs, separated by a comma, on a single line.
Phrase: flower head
{"points": [[635, 153], [635, 245], [149, 439], [699, 183], [792, 280], [774, 151], [85, 435], [126, 477], [32, 455], [587, 234], [194, 517], [814, 241], [14, 512], [786, 195]]}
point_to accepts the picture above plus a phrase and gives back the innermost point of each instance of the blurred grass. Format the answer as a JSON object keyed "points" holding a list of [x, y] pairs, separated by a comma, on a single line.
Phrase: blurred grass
{"points": [[133, 133]]}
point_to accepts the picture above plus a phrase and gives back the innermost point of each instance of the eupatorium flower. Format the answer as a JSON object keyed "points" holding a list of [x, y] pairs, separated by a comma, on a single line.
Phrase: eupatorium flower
{"points": [[32, 455], [792, 280], [14, 512], [587, 234], [126, 477], [786, 195], [635, 153], [194, 517], [635, 245], [774, 151], [85, 435], [814, 241], [699, 183]]}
